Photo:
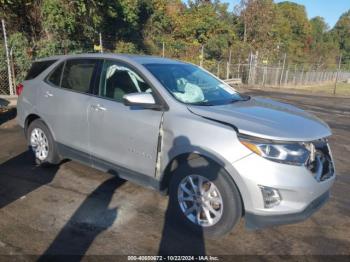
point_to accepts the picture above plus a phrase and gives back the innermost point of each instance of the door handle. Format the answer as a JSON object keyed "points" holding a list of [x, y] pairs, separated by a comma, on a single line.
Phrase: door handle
{"points": [[48, 94], [98, 107]]}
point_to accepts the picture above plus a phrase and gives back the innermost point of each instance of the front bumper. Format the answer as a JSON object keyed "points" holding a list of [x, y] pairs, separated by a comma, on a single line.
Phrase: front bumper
{"points": [[300, 190], [253, 221]]}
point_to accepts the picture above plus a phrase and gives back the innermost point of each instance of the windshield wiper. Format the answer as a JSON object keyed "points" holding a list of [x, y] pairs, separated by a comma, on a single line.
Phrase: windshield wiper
{"points": [[243, 98], [202, 103]]}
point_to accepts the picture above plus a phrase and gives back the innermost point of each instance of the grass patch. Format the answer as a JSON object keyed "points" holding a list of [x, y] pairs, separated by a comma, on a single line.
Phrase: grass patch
{"points": [[343, 89]]}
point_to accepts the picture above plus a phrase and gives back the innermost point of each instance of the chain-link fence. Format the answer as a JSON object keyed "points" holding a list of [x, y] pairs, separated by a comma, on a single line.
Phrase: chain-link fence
{"points": [[5, 88], [293, 75], [253, 73], [4, 82]]}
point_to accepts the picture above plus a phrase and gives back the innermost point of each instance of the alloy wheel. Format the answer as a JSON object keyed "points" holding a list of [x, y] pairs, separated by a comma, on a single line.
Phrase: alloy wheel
{"points": [[39, 143], [200, 200]]}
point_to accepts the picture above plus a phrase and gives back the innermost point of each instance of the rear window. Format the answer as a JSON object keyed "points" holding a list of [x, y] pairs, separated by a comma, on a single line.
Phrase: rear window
{"points": [[37, 68]]}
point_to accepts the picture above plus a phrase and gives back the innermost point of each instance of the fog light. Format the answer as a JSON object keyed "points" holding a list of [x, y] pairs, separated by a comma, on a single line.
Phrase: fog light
{"points": [[271, 196]]}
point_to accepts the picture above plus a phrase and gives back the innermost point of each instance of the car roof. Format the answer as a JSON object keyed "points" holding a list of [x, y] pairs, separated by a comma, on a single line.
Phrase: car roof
{"points": [[141, 59]]}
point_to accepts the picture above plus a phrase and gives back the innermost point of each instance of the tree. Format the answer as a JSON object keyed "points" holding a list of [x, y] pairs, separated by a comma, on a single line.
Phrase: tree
{"points": [[341, 32], [323, 46], [295, 35], [185, 28], [23, 16], [19, 47], [142, 26]]}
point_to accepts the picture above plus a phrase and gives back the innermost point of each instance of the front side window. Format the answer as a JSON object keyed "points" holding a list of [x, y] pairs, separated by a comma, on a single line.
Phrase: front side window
{"points": [[118, 80], [192, 85], [78, 74], [55, 76]]}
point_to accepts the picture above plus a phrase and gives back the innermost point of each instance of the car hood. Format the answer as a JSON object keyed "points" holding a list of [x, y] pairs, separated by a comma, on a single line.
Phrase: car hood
{"points": [[266, 118]]}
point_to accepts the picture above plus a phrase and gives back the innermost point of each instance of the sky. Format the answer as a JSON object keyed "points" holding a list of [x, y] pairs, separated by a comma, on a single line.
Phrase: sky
{"points": [[331, 10]]}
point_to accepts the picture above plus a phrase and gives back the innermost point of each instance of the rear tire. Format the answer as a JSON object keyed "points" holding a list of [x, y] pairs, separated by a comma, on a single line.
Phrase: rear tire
{"points": [[222, 198], [42, 144]]}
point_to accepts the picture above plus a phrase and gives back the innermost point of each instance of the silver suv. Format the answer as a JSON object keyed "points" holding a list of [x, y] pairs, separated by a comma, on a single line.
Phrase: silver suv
{"points": [[176, 128]]}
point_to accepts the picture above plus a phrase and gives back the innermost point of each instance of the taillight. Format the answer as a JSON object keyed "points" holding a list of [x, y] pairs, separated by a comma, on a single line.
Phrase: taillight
{"points": [[19, 89]]}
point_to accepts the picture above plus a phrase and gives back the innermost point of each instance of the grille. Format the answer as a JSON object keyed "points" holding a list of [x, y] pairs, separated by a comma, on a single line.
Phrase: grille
{"points": [[320, 162]]}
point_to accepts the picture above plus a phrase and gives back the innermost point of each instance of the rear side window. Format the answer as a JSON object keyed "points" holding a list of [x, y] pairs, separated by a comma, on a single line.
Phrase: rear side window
{"points": [[78, 74], [37, 68], [55, 76]]}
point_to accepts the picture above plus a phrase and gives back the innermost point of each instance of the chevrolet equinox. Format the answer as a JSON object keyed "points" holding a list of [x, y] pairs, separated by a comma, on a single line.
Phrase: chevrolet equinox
{"points": [[174, 127]]}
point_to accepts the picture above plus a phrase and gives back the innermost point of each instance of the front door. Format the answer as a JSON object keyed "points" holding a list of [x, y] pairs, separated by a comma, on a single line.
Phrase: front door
{"points": [[122, 136]]}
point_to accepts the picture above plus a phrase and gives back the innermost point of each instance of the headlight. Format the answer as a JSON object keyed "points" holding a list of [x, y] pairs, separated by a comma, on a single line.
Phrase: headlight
{"points": [[283, 152]]}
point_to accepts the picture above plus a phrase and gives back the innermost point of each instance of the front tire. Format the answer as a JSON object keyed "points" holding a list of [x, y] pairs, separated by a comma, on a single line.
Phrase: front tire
{"points": [[41, 143], [204, 198]]}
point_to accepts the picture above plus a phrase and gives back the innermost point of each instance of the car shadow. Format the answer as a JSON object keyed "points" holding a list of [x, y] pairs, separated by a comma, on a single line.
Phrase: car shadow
{"points": [[19, 176], [91, 218], [177, 239]]}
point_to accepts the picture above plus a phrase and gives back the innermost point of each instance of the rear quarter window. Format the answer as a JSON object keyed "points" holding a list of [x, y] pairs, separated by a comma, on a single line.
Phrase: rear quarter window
{"points": [[55, 76], [37, 68]]}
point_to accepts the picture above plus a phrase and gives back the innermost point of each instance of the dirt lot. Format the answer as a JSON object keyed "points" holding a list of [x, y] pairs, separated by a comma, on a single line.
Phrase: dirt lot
{"points": [[73, 209]]}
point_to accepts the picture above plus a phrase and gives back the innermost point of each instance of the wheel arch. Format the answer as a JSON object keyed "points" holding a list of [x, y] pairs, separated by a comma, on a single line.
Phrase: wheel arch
{"points": [[30, 118], [188, 156]]}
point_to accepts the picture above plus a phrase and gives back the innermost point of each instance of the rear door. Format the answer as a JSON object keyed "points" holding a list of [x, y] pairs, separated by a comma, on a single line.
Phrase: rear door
{"points": [[64, 103], [121, 136]]}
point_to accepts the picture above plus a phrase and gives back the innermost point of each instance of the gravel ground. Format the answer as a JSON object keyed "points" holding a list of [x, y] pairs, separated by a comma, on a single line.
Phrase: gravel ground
{"points": [[74, 209]]}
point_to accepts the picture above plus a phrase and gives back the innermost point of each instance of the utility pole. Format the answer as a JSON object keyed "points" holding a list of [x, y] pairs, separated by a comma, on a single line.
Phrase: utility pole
{"points": [[284, 63], [295, 74], [286, 76], [7, 58], [245, 28], [264, 76], [163, 54], [250, 67], [238, 67], [254, 64], [301, 76], [202, 56], [336, 78], [228, 65], [12, 69], [101, 46]]}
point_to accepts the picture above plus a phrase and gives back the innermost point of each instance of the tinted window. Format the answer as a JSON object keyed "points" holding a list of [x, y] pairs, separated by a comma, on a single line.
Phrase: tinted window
{"points": [[118, 80], [77, 74], [37, 68], [192, 85], [55, 76]]}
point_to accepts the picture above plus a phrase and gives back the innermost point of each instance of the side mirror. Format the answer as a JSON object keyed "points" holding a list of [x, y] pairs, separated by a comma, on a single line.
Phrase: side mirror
{"points": [[144, 100]]}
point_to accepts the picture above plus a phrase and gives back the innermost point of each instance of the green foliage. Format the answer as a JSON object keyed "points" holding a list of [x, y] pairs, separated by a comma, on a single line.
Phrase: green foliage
{"points": [[126, 48], [19, 46], [40, 28], [3, 66], [341, 32], [58, 21], [296, 39], [184, 29]]}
